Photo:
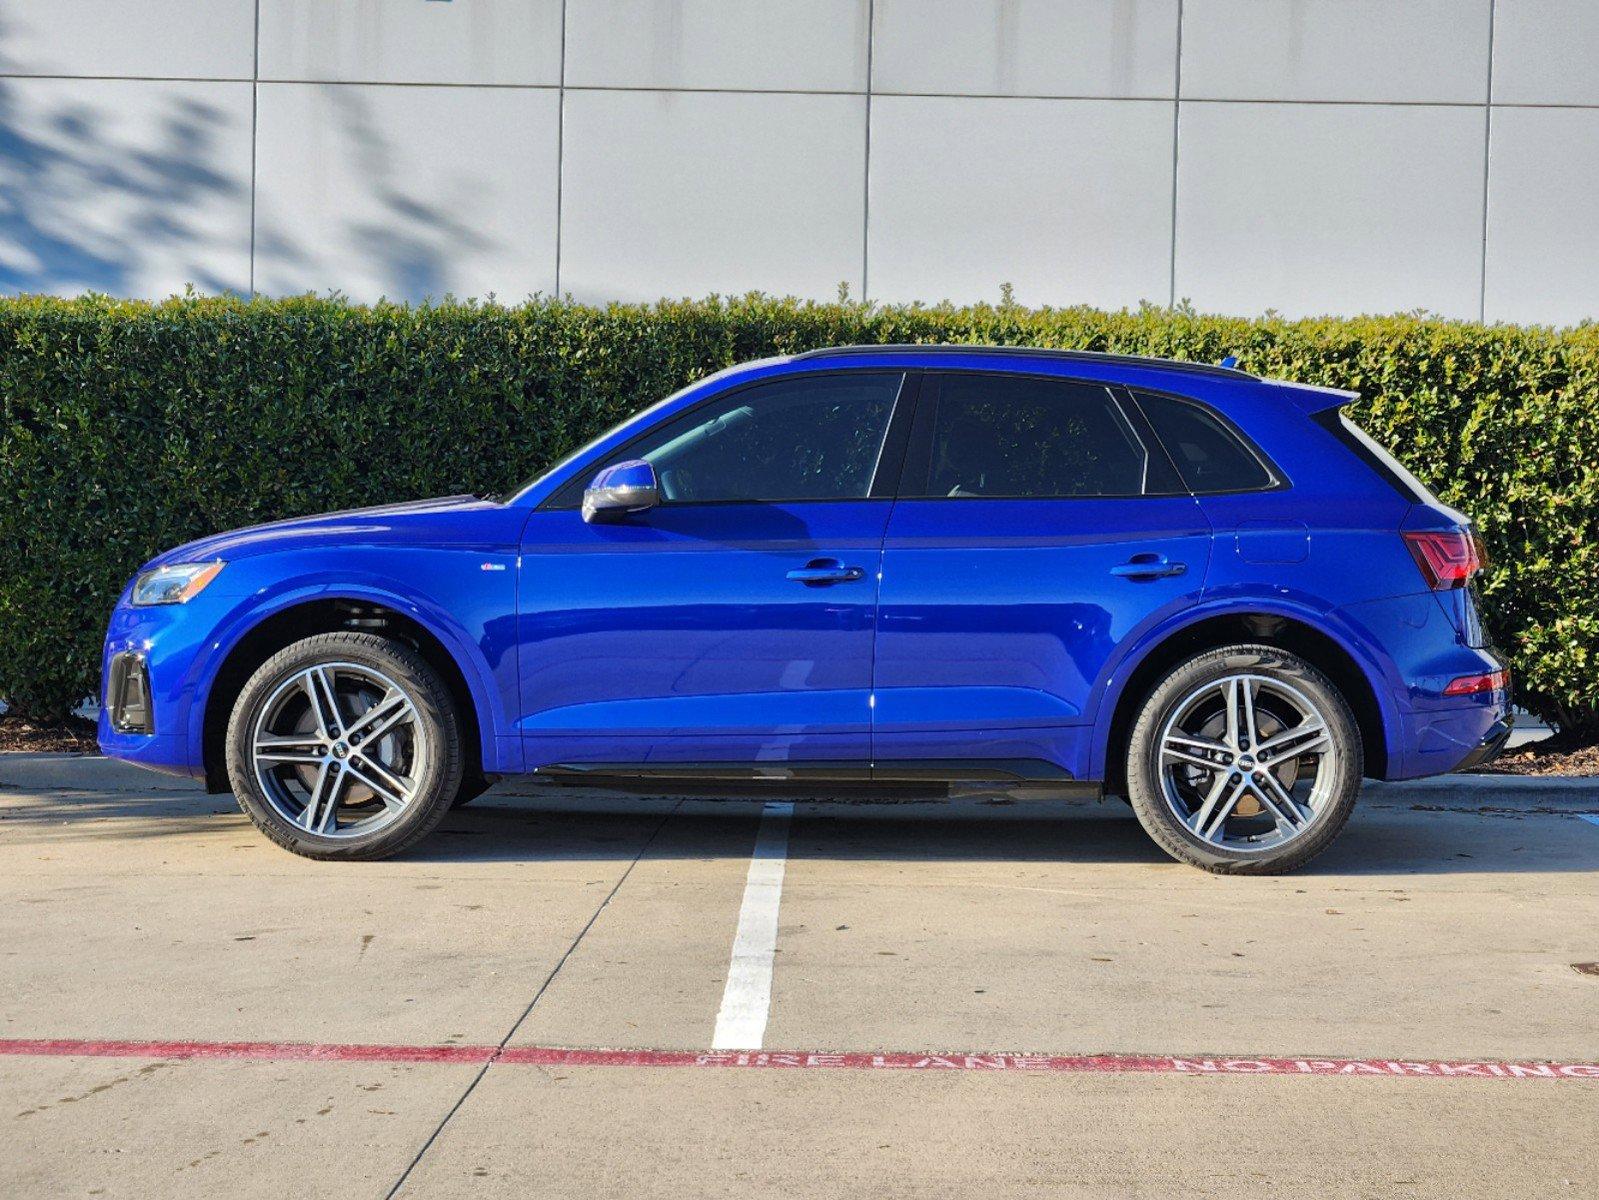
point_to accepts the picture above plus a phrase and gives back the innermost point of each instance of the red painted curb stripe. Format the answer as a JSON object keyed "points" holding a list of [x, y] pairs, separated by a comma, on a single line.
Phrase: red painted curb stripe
{"points": [[547, 1056], [257, 1051]]}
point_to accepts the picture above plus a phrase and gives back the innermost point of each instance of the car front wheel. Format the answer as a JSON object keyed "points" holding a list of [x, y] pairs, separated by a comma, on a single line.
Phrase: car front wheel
{"points": [[345, 746], [1246, 760]]}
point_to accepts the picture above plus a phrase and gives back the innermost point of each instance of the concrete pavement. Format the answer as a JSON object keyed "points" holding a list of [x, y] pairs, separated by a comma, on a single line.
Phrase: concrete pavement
{"points": [[1443, 926]]}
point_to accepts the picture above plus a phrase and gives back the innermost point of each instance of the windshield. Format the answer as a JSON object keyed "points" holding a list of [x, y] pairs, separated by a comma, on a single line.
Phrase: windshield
{"points": [[640, 417], [566, 461]]}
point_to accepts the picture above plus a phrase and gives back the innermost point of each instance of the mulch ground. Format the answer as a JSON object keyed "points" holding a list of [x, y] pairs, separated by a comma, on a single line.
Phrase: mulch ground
{"points": [[74, 735], [1552, 756]]}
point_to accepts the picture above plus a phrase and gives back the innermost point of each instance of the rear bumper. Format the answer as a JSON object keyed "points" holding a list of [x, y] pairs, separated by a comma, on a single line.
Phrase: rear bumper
{"points": [[1453, 734], [1421, 651], [1493, 742]]}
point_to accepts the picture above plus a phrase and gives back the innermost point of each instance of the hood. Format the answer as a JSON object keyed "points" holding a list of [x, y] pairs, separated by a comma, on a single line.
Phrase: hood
{"points": [[447, 520]]}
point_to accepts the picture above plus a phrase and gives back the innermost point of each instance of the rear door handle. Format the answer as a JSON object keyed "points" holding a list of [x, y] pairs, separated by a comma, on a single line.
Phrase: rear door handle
{"points": [[820, 572], [1148, 566]]}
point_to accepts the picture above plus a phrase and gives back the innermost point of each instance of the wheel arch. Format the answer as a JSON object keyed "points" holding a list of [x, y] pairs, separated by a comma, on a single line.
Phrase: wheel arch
{"points": [[1337, 658], [268, 632]]}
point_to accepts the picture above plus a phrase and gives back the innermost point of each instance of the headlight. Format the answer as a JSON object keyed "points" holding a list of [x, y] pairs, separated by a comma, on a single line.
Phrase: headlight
{"points": [[176, 584]]}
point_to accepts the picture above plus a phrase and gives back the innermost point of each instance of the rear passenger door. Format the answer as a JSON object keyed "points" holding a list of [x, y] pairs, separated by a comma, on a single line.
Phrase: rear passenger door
{"points": [[1038, 524]]}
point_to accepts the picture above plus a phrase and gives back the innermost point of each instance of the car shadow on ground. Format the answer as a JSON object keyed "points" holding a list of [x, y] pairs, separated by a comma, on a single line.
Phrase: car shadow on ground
{"points": [[536, 823], [1381, 839]]}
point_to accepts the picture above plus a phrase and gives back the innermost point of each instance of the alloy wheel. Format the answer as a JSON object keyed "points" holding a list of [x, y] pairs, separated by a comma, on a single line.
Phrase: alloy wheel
{"points": [[338, 749], [1247, 763]]}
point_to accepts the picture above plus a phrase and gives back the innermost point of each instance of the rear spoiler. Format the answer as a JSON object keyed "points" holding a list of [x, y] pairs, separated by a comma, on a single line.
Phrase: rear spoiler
{"points": [[1312, 399]]}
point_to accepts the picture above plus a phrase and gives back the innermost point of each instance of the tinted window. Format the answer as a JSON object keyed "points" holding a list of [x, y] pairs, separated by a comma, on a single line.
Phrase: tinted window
{"points": [[815, 437], [1209, 455], [1007, 435]]}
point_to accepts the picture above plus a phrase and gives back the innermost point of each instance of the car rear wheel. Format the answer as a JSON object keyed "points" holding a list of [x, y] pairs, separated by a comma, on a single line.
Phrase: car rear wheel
{"points": [[1246, 761], [345, 746]]}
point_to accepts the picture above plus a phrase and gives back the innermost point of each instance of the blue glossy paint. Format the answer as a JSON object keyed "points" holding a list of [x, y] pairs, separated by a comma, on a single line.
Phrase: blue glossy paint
{"points": [[1004, 614], [449, 565], [679, 636], [849, 632]]}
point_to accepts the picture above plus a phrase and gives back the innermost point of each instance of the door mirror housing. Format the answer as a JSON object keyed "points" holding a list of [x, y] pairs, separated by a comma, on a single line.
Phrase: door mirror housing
{"points": [[619, 490]]}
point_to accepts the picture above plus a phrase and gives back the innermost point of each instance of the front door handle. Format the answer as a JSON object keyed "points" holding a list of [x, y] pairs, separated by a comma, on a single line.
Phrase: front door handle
{"points": [[820, 572], [1148, 566]]}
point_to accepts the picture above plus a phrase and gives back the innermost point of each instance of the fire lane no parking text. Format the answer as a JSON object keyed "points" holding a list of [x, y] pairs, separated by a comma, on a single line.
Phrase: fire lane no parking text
{"points": [[551, 1056]]}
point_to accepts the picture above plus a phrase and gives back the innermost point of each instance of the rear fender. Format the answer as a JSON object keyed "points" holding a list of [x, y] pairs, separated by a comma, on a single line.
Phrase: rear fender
{"points": [[1380, 674]]}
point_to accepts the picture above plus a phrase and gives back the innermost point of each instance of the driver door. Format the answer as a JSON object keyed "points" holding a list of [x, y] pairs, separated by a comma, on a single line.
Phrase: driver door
{"points": [[731, 624]]}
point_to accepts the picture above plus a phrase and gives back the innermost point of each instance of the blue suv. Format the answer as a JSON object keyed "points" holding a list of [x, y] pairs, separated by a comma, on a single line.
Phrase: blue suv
{"points": [[1049, 571]]}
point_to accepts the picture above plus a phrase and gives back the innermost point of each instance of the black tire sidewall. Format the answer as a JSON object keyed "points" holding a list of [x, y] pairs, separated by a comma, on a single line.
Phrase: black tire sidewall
{"points": [[1143, 755], [435, 709]]}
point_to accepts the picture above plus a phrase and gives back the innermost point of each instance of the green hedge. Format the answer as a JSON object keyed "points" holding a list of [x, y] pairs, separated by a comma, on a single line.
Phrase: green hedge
{"points": [[129, 427]]}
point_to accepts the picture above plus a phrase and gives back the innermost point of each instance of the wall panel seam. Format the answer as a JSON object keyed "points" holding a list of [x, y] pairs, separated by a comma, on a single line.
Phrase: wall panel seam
{"points": [[746, 91], [1487, 158], [1176, 148], [560, 152], [866, 181], [255, 125]]}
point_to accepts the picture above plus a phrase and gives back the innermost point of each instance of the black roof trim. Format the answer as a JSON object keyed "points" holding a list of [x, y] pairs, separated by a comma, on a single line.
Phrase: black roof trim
{"points": [[1084, 356]]}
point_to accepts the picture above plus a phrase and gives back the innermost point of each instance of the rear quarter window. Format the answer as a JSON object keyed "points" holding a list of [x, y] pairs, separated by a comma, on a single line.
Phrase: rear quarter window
{"points": [[1211, 456]]}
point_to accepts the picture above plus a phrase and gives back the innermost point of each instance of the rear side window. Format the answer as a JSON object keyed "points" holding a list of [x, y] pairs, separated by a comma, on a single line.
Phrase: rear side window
{"points": [[1209, 455], [1021, 437]]}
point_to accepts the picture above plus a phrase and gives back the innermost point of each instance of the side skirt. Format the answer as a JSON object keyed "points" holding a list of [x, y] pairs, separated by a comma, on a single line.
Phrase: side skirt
{"points": [[1026, 778]]}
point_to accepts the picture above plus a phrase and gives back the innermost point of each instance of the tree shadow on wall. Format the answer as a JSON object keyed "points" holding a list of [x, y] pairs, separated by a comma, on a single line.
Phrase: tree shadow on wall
{"points": [[138, 191], [396, 238], [410, 238], [82, 208]]}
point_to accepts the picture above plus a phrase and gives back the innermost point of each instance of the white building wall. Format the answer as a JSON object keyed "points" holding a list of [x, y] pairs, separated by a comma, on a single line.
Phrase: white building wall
{"points": [[1306, 156]]}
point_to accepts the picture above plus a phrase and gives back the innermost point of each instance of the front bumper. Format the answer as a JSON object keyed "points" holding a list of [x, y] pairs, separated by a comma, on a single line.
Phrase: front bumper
{"points": [[127, 702], [170, 644]]}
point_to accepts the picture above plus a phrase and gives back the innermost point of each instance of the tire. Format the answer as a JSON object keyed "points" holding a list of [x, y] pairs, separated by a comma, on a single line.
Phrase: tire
{"points": [[1264, 816], [382, 760]]}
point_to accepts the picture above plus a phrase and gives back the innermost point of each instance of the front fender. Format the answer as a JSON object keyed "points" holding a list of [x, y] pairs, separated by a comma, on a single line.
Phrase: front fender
{"points": [[470, 611], [1309, 610]]}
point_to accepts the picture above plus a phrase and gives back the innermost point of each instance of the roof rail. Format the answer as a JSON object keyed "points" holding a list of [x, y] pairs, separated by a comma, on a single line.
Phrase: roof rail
{"points": [[1085, 356]]}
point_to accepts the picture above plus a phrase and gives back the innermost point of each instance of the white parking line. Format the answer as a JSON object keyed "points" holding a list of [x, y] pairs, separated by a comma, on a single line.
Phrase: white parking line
{"points": [[1590, 817], [747, 998]]}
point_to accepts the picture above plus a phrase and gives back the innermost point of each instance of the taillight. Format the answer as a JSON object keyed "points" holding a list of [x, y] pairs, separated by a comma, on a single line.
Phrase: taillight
{"points": [[1470, 685], [1447, 560]]}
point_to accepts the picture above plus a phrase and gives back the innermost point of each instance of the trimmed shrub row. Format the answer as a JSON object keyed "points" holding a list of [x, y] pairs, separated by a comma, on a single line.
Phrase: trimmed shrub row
{"points": [[128, 427]]}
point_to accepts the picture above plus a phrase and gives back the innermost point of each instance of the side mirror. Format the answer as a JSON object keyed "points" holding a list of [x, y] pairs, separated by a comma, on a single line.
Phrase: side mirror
{"points": [[627, 487]]}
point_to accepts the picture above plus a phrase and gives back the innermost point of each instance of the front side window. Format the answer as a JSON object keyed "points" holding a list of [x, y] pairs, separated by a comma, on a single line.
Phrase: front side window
{"points": [[1021, 437], [814, 437], [1210, 457]]}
